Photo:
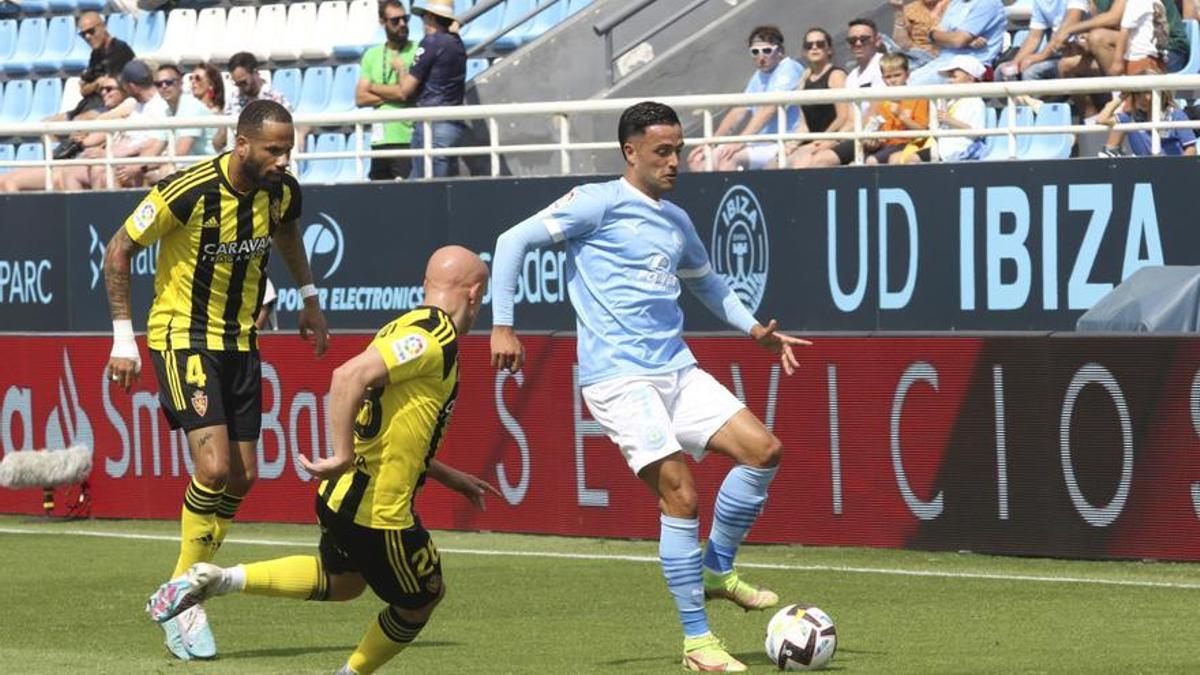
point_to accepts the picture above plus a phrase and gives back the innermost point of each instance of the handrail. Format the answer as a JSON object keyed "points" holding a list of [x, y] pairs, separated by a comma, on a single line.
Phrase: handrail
{"points": [[477, 9], [561, 111], [505, 30], [606, 26]]}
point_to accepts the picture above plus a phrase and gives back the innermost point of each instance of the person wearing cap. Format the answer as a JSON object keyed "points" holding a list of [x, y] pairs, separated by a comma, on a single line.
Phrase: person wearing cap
{"points": [[969, 27], [438, 77], [961, 113], [138, 81]]}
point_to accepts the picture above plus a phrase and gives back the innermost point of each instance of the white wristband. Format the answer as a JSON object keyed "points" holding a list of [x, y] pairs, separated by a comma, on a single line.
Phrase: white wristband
{"points": [[307, 291], [124, 346]]}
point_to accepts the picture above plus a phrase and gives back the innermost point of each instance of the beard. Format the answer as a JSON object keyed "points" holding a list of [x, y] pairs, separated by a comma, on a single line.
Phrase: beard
{"points": [[396, 35]]}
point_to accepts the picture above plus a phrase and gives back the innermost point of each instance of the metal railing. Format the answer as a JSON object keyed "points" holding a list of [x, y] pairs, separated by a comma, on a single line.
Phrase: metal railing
{"points": [[606, 27], [562, 113]]}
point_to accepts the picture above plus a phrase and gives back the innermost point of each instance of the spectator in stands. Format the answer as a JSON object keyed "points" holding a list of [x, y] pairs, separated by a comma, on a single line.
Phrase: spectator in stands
{"points": [[190, 141], [116, 105], [863, 38], [109, 56], [882, 116], [1141, 22], [775, 71], [437, 77], [382, 67], [962, 113], [910, 34], [821, 74], [243, 68], [1033, 61], [1135, 107], [138, 82], [209, 88], [969, 27]]}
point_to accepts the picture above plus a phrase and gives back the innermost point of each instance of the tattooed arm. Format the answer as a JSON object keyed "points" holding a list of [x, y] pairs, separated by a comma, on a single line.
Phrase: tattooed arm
{"points": [[124, 364]]}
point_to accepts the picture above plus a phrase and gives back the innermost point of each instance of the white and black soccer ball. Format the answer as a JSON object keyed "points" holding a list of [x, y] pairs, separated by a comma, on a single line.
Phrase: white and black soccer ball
{"points": [[801, 637]]}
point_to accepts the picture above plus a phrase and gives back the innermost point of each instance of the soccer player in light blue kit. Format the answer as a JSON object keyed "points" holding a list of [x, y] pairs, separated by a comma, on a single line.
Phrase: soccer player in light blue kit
{"points": [[627, 251]]}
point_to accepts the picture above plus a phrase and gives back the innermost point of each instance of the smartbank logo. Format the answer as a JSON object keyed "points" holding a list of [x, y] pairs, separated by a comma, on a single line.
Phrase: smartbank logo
{"points": [[327, 248]]}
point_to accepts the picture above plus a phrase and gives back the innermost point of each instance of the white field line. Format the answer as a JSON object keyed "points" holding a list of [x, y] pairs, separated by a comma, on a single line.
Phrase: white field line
{"points": [[654, 559]]}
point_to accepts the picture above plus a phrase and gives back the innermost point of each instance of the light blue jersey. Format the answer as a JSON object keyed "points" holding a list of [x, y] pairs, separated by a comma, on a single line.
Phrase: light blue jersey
{"points": [[784, 77], [626, 255]]}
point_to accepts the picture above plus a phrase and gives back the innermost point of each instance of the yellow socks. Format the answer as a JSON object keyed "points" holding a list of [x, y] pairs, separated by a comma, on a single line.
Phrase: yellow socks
{"points": [[226, 509], [298, 576], [198, 524], [385, 638]]}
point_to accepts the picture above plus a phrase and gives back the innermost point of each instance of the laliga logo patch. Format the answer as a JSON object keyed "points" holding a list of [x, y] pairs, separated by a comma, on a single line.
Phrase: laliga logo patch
{"points": [[200, 402], [144, 216], [740, 245], [408, 348], [323, 245]]}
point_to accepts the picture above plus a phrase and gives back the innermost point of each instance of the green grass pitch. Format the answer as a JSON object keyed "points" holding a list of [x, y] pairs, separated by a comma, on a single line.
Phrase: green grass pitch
{"points": [[72, 603]]}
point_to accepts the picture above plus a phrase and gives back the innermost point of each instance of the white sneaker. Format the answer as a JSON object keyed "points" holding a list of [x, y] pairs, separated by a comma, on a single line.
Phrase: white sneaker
{"points": [[197, 635]]}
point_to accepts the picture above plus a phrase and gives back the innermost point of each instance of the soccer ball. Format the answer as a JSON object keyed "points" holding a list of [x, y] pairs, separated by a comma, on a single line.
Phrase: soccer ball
{"points": [[801, 637]]}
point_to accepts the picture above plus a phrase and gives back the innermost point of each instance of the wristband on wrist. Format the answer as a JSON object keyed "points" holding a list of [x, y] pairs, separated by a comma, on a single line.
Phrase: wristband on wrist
{"points": [[307, 291]]}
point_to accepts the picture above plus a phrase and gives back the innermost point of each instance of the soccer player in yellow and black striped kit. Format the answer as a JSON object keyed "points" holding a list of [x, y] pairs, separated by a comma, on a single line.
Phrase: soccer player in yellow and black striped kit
{"points": [[388, 411], [216, 223]]}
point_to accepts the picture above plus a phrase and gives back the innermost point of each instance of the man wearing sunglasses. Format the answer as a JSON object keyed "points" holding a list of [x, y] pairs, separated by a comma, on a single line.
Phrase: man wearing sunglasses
{"points": [[863, 38], [109, 56], [382, 68], [243, 68], [774, 72]]}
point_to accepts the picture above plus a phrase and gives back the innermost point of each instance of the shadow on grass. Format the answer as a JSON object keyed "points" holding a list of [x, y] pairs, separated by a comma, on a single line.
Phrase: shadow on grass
{"points": [[748, 658], [278, 652]]}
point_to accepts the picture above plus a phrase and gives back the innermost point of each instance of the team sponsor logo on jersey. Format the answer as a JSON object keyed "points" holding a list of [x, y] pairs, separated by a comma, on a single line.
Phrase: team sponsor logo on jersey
{"points": [[740, 245], [144, 216], [200, 402], [235, 251], [408, 348]]}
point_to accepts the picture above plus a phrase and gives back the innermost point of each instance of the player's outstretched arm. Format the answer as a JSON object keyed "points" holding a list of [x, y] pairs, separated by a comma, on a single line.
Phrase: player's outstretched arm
{"points": [[469, 486], [124, 363], [350, 383], [311, 321], [507, 352]]}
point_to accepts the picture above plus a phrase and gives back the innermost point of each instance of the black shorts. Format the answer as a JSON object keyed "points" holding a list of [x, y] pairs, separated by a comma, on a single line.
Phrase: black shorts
{"points": [[201, 388], [403, 567], [390, 168]]}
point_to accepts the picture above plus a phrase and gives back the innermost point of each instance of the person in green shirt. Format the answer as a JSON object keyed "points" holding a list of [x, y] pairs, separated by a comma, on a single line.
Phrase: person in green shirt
{"points": [[378, 87]]}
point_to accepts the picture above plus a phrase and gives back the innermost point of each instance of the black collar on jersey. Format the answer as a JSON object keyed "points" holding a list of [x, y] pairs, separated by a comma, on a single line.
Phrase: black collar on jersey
{"points": [[439, 310]]}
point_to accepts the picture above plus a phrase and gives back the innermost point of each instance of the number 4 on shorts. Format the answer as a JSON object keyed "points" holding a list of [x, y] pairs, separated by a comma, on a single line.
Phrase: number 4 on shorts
{"points": [[195, 371]]}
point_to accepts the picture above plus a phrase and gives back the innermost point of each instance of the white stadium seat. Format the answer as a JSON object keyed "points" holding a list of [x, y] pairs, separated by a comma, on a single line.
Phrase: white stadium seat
{"points": [[269, 29], [362, 23], [179, 33], [331, 23], [210, 29], [238, 35], [70, 95], [288, 45]]}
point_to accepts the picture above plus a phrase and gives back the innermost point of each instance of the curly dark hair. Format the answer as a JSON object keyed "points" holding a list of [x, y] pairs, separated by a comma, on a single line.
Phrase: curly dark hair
{"points": [[257, 112], [638, 116]]}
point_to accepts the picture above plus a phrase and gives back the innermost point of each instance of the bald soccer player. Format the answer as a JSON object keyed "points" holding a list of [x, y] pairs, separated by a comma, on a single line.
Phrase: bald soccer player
{"points": [[388, 411]]}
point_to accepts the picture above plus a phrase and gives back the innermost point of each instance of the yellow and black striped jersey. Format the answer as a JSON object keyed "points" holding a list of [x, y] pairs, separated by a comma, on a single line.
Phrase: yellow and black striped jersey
{"points": [[400, 425], [213, 257]]}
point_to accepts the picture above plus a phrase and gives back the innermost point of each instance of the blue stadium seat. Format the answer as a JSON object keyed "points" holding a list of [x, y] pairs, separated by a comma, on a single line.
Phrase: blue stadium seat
{"points": [[316, 90], [475, 67], [287, 82], [324, 170], [8, 39], [60, 40], [345, 78], [1056, 146], [34, 7], [29, 152], [148, 35], [18, 99], [121, 26], [513, 10], [348, 171], [7, 154], [77, 59], [91, 5], [1193, 32], [47, 95], [64, 6], [998, 145], [483, 26], [31, 40]]}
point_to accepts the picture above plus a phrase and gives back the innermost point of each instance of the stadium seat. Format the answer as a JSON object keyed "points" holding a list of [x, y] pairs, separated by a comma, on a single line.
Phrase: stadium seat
{"points": [[1193, 63], [91, 5], [288, 44], [348, 169], [287, 82], [60, 40], [70, 95], [270, 28], [30, 152], [8, 39], [121, 26], [514, 10], [180, 30], [31, 41], [238, 35], [1056, 146], [149, 33], [63, 6], [198, 5], [7, 153], [331, 22], [316, 91], [483, 26], [998, 147], [361, 30], [324, 170], [77, 59], [47, 98], [18, 100], [210, 27], [345, 78], [475, 67], [34, 7]]}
